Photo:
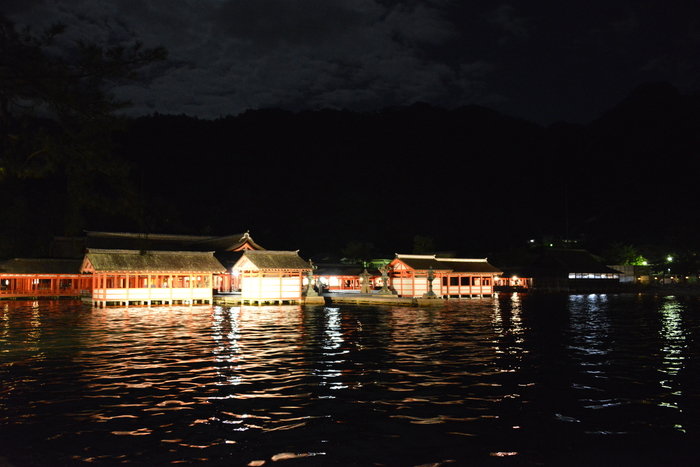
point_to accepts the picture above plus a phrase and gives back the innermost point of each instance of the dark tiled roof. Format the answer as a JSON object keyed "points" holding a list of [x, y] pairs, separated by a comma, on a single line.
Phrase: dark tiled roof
{"points": [[470, 265], [265, 259], [227, 243], [136, 241], [462, 265], [422, 262], [166, 242], [154, 261], [40, 266]]}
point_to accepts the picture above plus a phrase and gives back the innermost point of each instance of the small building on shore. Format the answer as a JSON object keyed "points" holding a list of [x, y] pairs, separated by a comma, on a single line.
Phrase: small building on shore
{"points": [[453, 277], [271, 276], [133, 277], [633, 274], [571, 270]]}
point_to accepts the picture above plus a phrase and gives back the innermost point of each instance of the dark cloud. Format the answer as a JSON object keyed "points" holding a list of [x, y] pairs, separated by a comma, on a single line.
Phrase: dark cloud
{"points": [[302, 22], [545, 61], [13, 7], [506, 18]]}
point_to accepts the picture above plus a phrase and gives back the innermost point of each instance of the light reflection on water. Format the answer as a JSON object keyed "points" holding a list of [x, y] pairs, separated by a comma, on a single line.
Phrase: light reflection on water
{"points": [[518, 379], [673, 334]]}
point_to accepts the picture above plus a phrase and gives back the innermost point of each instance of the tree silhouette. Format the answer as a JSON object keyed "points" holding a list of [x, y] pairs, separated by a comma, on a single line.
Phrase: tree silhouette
{"points": [[423, 245], [57, 118]]}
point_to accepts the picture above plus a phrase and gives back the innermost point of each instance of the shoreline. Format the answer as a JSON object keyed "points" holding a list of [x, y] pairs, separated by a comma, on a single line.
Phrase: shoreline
{"points": [[693, 291]]}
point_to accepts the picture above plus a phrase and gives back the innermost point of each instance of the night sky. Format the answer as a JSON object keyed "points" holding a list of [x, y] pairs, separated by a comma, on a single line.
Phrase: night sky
{"points": [[544, 61]]}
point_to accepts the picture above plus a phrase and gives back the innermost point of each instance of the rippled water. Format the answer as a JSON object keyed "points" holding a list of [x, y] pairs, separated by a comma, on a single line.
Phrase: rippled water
{"points": [[517, 380]]}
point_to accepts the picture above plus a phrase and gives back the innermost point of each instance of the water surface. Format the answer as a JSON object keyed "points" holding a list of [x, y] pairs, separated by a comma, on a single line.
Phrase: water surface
{"points": [[514, 380]]}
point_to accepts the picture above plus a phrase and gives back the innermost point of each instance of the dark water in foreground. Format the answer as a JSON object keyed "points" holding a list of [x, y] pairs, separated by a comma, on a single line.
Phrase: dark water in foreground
{"points": [[518, 380]]}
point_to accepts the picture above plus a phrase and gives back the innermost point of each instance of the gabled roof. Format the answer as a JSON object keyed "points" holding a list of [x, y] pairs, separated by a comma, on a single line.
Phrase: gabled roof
{"points": [[470, 265], [421, 262], [140, 241], [271, 260], [461, 265], [234, 242], [151, 261], [40, 266], [156, 242]]}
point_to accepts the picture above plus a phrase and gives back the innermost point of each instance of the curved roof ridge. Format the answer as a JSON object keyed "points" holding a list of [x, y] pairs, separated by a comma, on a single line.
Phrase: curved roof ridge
{"points": [[152, 236], [146, 252], [271, 252], [464, 260]]}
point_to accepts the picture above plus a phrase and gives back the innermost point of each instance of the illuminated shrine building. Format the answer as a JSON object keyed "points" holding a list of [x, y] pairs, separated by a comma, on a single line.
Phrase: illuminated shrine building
{"points": [[453, 277], [61, 275], [271, 276], [227, 249], [132, 277]]}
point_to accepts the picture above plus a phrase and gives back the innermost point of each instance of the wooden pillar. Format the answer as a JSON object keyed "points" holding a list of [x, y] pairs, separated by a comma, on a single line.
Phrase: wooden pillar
{"points": [[149, 284], [301, 285], [192, 278]]}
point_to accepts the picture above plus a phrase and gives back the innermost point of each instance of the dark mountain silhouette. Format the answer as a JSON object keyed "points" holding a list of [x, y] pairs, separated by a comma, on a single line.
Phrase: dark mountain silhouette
{"points": [[636, 165], [473, 180]]}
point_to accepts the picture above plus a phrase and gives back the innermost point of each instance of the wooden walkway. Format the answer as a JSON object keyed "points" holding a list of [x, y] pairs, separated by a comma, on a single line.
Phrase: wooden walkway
{"points": [[333, 299]]}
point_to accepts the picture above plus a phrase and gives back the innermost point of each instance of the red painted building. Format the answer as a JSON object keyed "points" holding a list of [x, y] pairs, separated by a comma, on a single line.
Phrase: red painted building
{"points": [[37, 278], [453, 277], [61, 275], [145, 278]]}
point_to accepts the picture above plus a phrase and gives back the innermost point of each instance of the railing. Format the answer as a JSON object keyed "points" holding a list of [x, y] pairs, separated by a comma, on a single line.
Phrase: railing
{"points": [[42, 292], [141, 294]]}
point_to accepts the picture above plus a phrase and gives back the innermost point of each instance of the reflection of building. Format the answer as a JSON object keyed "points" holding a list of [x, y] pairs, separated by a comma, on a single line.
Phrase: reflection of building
{"points": [[454, 277], [131, 277], [271, 276], [571, 270], [42, 278]]}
